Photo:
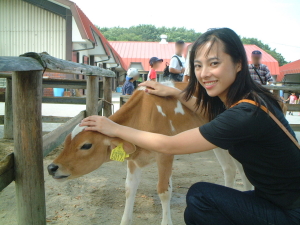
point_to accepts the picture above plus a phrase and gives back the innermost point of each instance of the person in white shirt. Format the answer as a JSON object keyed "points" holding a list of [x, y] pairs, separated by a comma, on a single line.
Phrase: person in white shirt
{"points": [[186, 76], [177, 63]]}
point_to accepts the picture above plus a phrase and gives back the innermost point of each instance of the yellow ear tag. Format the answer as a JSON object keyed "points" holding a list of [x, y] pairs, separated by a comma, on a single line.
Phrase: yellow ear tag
{"points": [[118, 153]]}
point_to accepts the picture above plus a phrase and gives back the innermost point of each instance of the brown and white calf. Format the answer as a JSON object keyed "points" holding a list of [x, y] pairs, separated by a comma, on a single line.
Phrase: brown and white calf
{"points": [[85, 151]]}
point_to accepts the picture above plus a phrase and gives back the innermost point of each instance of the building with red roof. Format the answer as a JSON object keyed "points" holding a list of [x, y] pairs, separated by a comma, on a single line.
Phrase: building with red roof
{"points": [[290, 72], [137, 54], [58, 27]]}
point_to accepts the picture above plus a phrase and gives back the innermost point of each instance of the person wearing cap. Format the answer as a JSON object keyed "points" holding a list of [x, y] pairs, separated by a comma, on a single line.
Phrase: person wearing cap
{"points": [[258, 71], [128, 87], [154, 64], [177, 63]]}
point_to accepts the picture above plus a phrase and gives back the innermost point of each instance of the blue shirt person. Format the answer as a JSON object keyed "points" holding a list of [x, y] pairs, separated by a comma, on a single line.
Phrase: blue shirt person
{"points": [[128, 87]]}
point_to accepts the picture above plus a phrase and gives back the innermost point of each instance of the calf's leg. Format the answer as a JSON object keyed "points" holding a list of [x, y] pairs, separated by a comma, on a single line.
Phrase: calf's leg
{"points": [[247, 185], [164, 186], [228, 166], [132, 182]]}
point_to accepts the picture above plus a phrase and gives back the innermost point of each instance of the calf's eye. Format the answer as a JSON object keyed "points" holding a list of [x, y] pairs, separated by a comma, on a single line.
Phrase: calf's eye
{"points": [[86, 146]]}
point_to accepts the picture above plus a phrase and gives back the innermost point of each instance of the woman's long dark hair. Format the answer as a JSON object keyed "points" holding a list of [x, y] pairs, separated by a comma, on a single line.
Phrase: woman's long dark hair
{"points": [[242, 87]]}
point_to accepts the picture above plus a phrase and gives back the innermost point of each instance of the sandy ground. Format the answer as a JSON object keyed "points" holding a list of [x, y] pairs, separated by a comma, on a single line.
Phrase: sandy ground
{"points": [[98, 198]]}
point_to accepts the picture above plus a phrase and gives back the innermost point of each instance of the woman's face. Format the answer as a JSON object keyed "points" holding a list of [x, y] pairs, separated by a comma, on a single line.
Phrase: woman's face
{"points": [[215, 71]]}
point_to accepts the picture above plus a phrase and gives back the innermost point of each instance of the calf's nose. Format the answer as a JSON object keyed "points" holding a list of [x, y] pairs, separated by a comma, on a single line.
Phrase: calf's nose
{"points": [[52, 168]]}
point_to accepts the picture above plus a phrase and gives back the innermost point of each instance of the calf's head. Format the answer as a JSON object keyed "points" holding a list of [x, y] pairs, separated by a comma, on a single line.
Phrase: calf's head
{"points": [[84, 151]]}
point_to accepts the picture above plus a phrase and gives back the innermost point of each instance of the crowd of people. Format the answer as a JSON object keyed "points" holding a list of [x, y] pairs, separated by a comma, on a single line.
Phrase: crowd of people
{"points": [[178, 70]]}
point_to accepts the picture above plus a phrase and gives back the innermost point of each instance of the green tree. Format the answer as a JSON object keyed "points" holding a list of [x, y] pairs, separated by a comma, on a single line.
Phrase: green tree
{"points": [[253, 41], [148, 32]]}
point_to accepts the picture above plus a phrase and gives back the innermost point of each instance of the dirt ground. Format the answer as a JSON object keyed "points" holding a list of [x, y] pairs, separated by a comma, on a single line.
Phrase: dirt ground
{"points": [[99, 197]]}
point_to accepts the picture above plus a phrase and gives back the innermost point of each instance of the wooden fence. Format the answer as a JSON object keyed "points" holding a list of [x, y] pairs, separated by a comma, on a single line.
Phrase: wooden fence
{"points": [[23, 119]]}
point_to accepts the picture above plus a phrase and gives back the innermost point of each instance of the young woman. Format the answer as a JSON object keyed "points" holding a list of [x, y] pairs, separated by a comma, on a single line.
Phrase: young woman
{"points": [[219, 77]]}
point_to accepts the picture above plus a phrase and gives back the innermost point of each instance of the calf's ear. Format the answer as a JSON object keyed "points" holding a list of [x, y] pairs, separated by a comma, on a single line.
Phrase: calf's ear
{"points": [[128, 147]]}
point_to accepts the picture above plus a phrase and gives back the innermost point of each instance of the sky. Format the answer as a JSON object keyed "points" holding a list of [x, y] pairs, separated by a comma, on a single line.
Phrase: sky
{"points": [[275, 22]]}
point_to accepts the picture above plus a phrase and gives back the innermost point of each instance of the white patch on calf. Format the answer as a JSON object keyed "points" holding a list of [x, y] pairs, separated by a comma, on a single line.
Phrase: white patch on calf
{"points": [[172, 127], [141, 88], [179, 108], [165, 199], [159, 109], [76, 131], [168, 83]]}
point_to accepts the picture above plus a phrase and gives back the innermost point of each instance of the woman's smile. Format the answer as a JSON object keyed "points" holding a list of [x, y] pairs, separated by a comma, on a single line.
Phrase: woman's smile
{"points": [[210, 84]]}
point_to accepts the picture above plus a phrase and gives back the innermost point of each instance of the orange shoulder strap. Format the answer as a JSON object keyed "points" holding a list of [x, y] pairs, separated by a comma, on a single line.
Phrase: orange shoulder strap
{"points": [[273, 117]]}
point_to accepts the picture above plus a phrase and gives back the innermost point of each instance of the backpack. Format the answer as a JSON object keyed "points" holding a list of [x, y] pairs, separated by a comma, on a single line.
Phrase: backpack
{"points": [[167, 74]]}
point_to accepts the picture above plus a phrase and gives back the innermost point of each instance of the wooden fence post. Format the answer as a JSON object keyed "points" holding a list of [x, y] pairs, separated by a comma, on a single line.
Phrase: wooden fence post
{"points": [[101, 96], [8, 114], [28, 150], [107, 96], [92, 86]]}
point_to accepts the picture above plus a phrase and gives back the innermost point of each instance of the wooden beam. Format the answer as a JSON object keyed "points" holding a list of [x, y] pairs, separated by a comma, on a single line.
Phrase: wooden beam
{"points": [[124, 99], [59, 83], [57, 136], [92, 96], [34, 61], [55, 119], [8, 114], [293, 107], [28, 156], [2, 97], [19, 64], [63, 83], [107, 96], [295, 127], [6, 171], [65, 100], [1, 119], [295, 88]]}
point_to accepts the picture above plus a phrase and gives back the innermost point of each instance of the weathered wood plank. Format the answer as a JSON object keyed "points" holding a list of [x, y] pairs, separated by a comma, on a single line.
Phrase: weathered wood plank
{"points": [[293, 107], [63, 83], [65, 100], [19, 64], [8, 114], [2, 97], [92, 96], [28, 157], [295, 88], [295, 127], [55, 119], [6, 171], [107, 111], [124, 99], [57, 136], [59, 83], [99, 107], [46, 119], [34, 61]]}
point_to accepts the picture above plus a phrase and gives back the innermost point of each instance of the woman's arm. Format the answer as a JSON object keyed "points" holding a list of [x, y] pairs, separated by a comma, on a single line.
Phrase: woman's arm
{"points": [[187, 142], [163, 90]]}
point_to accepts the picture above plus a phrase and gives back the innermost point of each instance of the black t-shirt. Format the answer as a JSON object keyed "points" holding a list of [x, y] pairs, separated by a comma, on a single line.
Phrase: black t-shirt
{"points": [[271, 161]]}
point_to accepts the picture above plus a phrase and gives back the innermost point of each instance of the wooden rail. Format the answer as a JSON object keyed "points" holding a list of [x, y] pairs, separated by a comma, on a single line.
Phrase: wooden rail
{"points": [[25, 165]]}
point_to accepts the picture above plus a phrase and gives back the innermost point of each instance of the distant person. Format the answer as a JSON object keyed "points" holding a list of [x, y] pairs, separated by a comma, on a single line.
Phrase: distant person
{"points": [[177, 63], [258, 71], [186, 75], [128, 87], [293, 100], [154, 64]]}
